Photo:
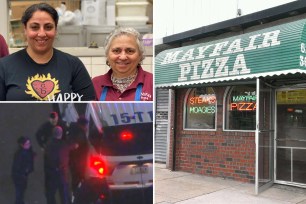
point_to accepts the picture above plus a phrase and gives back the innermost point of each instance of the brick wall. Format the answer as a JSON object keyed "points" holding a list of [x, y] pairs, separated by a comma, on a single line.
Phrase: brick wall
{"points": [[226, 154]]}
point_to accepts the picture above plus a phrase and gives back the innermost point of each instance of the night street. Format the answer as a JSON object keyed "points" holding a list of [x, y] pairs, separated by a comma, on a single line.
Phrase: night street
{"points": [[16, 120]]}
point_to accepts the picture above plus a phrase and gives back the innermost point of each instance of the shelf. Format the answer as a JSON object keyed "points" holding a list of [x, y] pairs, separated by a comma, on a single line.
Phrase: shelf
{"points": [[16, 19]]}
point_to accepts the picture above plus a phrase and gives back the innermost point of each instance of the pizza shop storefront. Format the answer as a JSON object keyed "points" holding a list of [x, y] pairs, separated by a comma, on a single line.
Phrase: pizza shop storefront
{"points": [[238, 106]]}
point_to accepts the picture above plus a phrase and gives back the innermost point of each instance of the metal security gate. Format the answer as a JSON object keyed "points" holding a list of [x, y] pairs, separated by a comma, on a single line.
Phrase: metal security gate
{"points": [[161, 127]]}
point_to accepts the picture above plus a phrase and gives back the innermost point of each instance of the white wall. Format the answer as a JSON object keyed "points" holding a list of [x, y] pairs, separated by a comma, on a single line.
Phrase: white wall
{"points": [[4, 19], [175, 16]]}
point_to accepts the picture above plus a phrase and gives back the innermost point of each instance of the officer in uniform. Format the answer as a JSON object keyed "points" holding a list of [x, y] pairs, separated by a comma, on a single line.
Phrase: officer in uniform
{"points": [[44, 133], [56, 167], [78, 157]]}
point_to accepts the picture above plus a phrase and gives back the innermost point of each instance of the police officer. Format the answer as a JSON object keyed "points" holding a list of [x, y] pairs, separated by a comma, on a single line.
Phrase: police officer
{"points": [[56, 167], [78, 157], [44, 133], [23, 165]]}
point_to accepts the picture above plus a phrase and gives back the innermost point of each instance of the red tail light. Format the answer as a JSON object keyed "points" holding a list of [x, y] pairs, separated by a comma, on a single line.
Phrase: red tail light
{"points": [[126, 136], [97, 164]]}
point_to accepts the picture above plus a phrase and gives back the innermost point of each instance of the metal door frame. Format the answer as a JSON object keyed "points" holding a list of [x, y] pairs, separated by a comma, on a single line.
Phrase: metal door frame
{"points": [[262, 188], [275, 144]]}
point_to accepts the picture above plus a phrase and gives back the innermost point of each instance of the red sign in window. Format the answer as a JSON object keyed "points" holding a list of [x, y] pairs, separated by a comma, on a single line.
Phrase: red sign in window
{"points": [[243, 106]]}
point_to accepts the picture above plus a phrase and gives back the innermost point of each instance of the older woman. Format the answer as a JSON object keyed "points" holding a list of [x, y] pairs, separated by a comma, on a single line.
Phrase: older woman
{"points": [[126, 80], [41, 72]]}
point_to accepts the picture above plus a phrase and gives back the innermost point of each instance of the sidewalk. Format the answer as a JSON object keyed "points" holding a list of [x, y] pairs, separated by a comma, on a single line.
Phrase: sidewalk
{"points": [[186, 188]]}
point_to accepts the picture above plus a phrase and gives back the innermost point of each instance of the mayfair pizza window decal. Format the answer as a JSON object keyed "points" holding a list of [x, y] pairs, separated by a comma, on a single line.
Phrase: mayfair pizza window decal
{"points": [[240, 108], [200, 109]]}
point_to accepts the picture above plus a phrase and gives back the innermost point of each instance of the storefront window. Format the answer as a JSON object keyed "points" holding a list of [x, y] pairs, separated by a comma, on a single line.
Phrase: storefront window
{"points": [[200, 109], [241, 108]]}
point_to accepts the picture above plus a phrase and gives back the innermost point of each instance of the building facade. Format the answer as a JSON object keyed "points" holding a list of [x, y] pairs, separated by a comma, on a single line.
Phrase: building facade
{"points": [[236, 98]]}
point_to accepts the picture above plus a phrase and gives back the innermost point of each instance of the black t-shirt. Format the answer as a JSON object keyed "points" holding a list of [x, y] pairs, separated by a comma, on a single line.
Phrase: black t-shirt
{"points": [[63, 78]]}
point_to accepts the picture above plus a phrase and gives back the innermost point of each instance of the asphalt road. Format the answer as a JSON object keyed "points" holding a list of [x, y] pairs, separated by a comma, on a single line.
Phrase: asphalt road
{"points": [[17, 119]]}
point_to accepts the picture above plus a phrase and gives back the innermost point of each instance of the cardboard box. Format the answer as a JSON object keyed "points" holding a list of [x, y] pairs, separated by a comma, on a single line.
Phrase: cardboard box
{"points": [[93, 12], [131, 20], [132, 8], [18, 7]]}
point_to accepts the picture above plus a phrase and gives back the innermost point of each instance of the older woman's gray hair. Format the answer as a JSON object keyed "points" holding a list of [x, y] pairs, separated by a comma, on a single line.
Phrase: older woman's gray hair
{"points": [[119, 31]]}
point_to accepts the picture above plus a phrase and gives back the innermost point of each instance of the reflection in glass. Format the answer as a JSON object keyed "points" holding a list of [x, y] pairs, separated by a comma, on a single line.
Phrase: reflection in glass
{"points": [[265, 155], [241, 108], [299, 165], [283, 164], [291, 137], [200, 112]]}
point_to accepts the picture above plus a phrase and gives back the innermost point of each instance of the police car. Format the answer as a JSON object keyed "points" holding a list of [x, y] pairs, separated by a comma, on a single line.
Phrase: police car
{"points": [[121, 150]]}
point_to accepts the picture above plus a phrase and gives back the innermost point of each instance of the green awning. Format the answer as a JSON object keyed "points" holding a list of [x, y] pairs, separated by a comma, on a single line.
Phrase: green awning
{"points": [[273, 51]]}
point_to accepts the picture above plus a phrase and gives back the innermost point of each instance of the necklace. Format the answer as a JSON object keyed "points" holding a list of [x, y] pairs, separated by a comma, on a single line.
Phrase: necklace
{"points": [[123, 83]]}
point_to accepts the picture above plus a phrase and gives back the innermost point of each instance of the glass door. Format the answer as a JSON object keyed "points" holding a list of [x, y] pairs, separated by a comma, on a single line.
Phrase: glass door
{"points": [[264, 137], [291, 137]]}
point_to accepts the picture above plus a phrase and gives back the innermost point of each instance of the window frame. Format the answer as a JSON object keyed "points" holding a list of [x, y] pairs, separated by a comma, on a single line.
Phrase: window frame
{"points": [[184, 111], [225, 98]]}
